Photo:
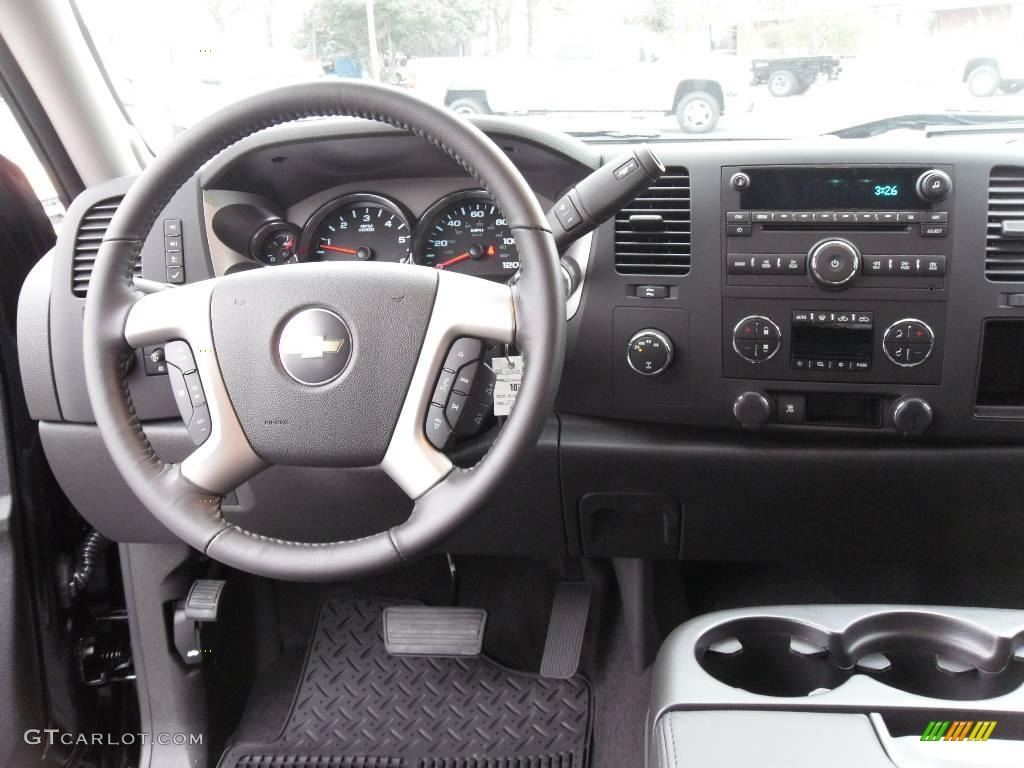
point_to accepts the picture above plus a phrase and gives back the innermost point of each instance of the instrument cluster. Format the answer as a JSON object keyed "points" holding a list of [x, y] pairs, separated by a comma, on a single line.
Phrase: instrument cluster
{"points": [[464, 232]]}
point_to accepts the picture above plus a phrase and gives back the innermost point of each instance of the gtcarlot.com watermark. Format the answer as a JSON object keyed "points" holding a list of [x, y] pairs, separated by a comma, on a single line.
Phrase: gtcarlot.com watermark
{"points": [[54, 736]]}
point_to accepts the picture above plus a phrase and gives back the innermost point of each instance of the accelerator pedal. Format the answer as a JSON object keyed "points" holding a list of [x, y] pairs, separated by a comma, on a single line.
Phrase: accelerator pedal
{"points": [[416, 630], [565, 630]]}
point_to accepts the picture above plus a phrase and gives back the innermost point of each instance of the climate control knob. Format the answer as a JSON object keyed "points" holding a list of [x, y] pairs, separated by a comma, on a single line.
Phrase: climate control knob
{"points": [[650, 352], [756, 339], [908, 342], [834, 263]]}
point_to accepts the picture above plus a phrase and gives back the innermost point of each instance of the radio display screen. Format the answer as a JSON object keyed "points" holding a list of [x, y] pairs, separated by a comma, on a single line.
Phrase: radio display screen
{"points": [[835, 342], [833, 189]]}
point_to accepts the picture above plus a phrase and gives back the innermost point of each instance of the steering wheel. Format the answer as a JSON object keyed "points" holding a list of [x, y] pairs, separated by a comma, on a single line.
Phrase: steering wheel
{"points": [[391, 326]]}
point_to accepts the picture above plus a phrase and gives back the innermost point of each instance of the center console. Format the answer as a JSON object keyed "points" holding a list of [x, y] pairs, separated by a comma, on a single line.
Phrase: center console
{"points": [[841, 685]]}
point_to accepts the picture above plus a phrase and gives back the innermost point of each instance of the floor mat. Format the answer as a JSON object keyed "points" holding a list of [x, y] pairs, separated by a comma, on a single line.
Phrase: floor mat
{"points": [[358, 707]]}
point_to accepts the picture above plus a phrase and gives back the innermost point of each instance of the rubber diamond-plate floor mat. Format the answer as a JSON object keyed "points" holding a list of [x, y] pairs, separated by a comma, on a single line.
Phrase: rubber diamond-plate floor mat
{"points": [[358, 707]]}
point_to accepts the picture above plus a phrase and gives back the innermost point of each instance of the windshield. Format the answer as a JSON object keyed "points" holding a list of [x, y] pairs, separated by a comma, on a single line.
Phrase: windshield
{"points": [[644, 68]]}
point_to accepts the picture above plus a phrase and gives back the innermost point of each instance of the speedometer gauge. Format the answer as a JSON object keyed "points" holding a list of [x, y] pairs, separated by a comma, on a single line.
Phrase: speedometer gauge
{"points": [[466, 232], [359, 227]]}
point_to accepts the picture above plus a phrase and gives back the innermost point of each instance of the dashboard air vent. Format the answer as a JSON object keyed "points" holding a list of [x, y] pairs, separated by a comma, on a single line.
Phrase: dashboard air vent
{"points": [[652, 233], [1004, 241], [90, 233]]}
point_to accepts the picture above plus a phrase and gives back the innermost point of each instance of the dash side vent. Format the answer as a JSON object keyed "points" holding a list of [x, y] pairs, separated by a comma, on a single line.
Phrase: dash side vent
{"points": [[652, 233], [1004, 253], [91, 230]]}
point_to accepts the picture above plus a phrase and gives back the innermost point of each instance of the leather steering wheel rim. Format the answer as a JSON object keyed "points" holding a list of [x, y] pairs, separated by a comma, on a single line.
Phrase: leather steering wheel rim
{"points": [[186, 497]]}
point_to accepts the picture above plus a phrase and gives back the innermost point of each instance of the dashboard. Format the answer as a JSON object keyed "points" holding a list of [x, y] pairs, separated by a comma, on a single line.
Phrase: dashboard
{"points": [[802, 347]]}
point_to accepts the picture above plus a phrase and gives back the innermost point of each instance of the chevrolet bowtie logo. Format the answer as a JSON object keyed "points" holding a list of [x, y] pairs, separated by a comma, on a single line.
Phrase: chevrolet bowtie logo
{"points": [[310, 346]]}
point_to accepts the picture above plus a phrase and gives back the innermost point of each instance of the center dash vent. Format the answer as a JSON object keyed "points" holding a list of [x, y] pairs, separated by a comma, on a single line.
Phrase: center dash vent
{"points": [[1004, 240], [652, 233], [90, 233]]}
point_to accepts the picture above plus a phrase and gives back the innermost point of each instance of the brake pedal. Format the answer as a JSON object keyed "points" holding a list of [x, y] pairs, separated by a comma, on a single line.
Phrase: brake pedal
{"points": [[415, 630], [200, 607], [566, 628]]}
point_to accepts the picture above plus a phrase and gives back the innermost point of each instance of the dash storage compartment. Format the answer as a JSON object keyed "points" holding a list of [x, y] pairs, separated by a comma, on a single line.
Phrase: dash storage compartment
{"points": [[924, 653]]}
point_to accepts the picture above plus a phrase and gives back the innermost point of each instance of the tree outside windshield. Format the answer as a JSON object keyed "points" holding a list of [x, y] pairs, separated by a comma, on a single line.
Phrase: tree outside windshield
{"points": [[672, 68]]}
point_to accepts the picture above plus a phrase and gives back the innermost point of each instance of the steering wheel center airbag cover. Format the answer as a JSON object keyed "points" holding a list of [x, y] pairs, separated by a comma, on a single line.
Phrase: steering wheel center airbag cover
{"points": [[338, 408]]}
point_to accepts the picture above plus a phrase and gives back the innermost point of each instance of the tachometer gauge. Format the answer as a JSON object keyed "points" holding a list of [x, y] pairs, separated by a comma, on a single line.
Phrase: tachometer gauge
{"points": [[359, 227], [467, 233]]}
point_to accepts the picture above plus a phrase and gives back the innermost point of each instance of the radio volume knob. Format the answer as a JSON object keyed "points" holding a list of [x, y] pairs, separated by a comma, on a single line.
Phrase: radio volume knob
{"points": [[834, 263]]}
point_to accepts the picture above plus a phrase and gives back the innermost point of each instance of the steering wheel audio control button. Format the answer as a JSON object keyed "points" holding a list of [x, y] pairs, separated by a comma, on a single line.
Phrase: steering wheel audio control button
{"points": [[199, 426], [438, 431], [466, 378], [180, 391], [453, 411], [195, 389], [444, 387], [178, 354], [464, 350]]}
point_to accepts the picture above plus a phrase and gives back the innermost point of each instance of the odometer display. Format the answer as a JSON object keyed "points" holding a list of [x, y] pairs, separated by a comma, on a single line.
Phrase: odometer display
{"points": [[468, 234]]}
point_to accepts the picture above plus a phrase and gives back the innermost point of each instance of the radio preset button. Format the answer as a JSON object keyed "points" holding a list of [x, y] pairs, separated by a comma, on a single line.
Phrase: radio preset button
{"points": [[803, 217], [782, 216], [824, 216], [866, 217], [846, 217]]}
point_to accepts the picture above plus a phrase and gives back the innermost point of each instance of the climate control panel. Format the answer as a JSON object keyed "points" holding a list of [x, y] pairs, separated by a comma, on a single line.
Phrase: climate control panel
{"points": [[866, 341]]}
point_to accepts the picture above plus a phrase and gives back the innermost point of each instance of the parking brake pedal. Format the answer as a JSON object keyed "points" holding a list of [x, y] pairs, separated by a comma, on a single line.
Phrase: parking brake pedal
{"points": [[200, 607], [565, 630], [415, 630]]}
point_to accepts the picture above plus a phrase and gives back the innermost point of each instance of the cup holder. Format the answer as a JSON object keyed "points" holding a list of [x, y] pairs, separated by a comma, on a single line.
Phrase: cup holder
{"points": [[925, 654]]}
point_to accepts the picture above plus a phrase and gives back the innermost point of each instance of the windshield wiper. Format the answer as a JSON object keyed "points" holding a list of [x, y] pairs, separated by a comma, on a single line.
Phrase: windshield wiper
{"points": [[924, 122], [617, 135]]}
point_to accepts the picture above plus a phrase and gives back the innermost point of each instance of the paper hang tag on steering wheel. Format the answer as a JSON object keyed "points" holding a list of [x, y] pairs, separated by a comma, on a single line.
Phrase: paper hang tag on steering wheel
{"points": [[508, 372]]}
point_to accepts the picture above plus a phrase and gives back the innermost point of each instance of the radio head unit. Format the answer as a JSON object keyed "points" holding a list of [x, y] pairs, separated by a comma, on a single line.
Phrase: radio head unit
{"points": [[836, 228], [834, 189]]}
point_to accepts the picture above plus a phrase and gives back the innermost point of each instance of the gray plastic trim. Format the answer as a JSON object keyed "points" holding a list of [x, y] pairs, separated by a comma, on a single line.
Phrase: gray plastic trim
{"points": [[225, 460], [34, 342], [578, 253], [767, 740], [464, 306]]}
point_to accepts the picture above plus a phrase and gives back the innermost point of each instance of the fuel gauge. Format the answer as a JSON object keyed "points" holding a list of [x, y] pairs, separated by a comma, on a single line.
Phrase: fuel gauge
{"points": [[275, 243]]}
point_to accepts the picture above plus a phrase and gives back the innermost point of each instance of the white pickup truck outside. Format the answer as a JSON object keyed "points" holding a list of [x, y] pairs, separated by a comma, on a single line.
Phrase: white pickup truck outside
{"points": [[695, 90]]}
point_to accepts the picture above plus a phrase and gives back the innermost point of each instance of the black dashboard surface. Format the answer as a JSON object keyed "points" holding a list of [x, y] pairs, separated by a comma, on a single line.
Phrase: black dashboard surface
{"points": [[657, 446]]}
